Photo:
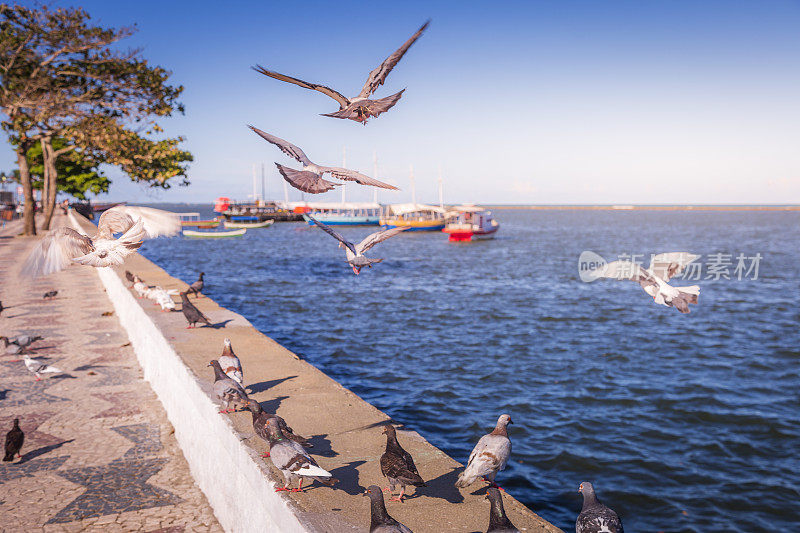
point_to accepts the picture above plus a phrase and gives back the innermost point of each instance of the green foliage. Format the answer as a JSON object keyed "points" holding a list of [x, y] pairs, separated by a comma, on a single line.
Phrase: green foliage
{"points": [[78, 172]]}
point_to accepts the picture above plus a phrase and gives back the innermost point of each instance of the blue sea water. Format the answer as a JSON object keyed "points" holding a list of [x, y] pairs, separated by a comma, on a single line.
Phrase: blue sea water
{"points": [[682, 422]]}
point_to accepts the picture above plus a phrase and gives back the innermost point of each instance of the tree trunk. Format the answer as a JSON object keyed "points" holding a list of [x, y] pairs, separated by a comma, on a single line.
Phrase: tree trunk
{"points": [[29, 214], [50, 181]]}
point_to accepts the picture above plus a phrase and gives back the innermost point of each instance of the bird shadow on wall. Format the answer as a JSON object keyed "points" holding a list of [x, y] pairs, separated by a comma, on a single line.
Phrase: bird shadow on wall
{"points": [[348, 478], [271, 406], [261, 386], [33, 454], [443, 487], [322, 446]]}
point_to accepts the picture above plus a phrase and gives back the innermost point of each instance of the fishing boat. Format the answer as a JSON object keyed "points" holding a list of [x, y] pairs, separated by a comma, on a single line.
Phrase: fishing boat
{"points": [[469, 223], [213, 234], [248, 225], [192, 220], [415, 217], [257, 212], [344, 213]]}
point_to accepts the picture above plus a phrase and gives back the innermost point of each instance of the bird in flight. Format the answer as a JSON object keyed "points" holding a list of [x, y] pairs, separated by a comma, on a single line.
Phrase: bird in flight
{"points": [[310, 178], [359, 108]]}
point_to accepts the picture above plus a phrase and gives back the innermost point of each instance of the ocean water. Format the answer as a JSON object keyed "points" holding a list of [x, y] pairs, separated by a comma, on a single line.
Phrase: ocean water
{"points": [[682, 422]]}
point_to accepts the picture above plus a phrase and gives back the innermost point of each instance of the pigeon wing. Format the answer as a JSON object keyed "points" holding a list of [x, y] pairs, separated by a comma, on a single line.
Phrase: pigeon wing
{"points": [[306, 85], [378, 76], [156, 222], [670, 264], [285, 146], [351, 175], [378, 236], [333, 234], [625, 270], [56, 251], [108, 253], [305, 180]]}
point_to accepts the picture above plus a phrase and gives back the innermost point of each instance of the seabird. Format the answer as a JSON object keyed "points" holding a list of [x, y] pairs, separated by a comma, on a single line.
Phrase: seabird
{"points": [[489, 456], [359, 108], [310, 179], [355, 253], [595, 517]]}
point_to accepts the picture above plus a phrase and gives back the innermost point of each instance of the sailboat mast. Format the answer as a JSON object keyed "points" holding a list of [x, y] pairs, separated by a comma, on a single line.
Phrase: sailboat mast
{"points": [[375, 175], [441, 191], [344, 165], [413, 186]]}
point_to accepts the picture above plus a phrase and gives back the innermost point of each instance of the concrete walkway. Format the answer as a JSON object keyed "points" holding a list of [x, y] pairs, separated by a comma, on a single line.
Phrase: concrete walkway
{"points": [[99, 454]]}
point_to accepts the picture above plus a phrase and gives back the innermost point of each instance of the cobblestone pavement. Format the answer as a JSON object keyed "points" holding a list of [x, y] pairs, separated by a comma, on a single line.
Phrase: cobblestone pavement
{"points": [[99, 454]]}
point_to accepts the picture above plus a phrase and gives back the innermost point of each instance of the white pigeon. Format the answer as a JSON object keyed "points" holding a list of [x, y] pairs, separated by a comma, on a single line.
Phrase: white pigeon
{"points": [[163, 298], [292, 460], [139, 286], [230, 363], [489, 456], [38, 367], [654, 279], [63, 246]]}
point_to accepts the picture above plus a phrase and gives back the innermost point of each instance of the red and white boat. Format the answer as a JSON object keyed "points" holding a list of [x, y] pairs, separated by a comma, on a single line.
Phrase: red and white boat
{"points": [[470, 223]]}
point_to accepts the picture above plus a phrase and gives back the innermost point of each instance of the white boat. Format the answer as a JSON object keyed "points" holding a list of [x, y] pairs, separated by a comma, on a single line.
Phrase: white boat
{"points": [[213, 234], [343, 214], [248, 225], [469, 223]]}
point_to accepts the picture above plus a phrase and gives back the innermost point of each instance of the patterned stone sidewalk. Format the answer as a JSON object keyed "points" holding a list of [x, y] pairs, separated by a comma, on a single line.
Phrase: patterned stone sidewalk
{"points": [[99, 452]]}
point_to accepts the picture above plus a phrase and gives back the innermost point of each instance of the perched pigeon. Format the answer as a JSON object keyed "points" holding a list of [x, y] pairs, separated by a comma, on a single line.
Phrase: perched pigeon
{"points": [[292, 460], [21, 342], [164, 299], [230, 363], [10, 347], [14, 440], [398, 465], [489, 455], [361, 107], [655, 279], [260, 419], [38, 367], [130, 277], [227, 390], [197, 287], [49, 295], [310, 178], [355, 253], [192, 313], [140, 287], [63, 246], [380, 521], [498, 521], [595, 517]]}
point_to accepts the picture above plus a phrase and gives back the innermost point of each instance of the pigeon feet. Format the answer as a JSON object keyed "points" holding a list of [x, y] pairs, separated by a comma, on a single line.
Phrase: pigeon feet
{"points": [[265, 454], [295, 490], [396, 499], [281, 489]]}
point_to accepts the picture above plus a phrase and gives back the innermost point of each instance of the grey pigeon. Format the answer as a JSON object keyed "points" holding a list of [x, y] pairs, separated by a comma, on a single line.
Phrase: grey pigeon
{"points": [[398, 465], [130, 277], [292, 460], [37, 367], [361, 107], [197, 287], [14, 440], [498, 521], [595, 517], [228, 390], [355, 253], [192, 313], [489, 456], [380, 521], [23, 341], [260, 420], [230, 363]]}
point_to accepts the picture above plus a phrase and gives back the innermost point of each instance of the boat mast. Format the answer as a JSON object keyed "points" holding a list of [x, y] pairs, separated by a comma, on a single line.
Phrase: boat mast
{"points": [[255, 190], [263, 183], [375, 175], [441, 192], [344, 165], [413, 186]]}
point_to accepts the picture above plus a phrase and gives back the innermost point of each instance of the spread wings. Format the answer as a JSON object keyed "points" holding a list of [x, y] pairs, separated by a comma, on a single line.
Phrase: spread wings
{"points": [[305, 180], [378, 76], [351, 175], [56, 251], [378, 236], [333, 234], [623, 270], [669, 264], [155, 222], [113, 252], [285, 146], [313, 86]]}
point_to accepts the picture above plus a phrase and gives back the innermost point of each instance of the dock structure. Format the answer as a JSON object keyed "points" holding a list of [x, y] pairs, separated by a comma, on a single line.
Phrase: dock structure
{"points": [[222, 451]]}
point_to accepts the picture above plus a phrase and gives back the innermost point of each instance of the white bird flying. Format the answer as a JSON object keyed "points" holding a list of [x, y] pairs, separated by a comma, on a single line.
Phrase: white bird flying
{"points": [[63, 246], [654, 279]]}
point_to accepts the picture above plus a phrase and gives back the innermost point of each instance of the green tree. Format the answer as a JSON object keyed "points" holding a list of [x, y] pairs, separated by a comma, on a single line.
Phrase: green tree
{"points": [[78, 172]]}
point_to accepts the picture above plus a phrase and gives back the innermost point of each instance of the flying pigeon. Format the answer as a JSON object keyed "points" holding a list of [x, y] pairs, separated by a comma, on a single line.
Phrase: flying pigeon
{"points": [[63, 245], [498, 521], [654, 279], [359, 108], [355, 253], [310, 179], [38, 367], [192, 313], [197, 287], [489, 455], [230, 363], [595, 517], [49, 295], [398, 465], [260, 419], [292, 460], [228, 390], [14, 440], [380, 521]]}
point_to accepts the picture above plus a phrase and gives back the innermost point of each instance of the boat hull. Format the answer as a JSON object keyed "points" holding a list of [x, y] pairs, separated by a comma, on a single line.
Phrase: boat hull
{"points": [[200, 223], [249, 225], [213, 234], [461, 234], [340, 220], [412, 225]]}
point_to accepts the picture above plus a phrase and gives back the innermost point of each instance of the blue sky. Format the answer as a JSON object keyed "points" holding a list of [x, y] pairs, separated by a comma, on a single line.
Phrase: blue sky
{"points": [[517, 102]]}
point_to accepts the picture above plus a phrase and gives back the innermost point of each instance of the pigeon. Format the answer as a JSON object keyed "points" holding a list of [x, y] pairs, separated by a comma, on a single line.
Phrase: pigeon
{"points": [[14, 440], [23, 341], [310, 179], [163, 298], [260, 419], [130, 277], [1, 308], [227, 390], [359, 108], [192, 313], [63, 245], [355, 253], [489, 455], [49, 295], [292, 460], [197, 287], [498, 521], [595, 517], [139, 286], [654, 279], [38, 367], [398, 465], [380, 521], [10, 347], [230, 363]]}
